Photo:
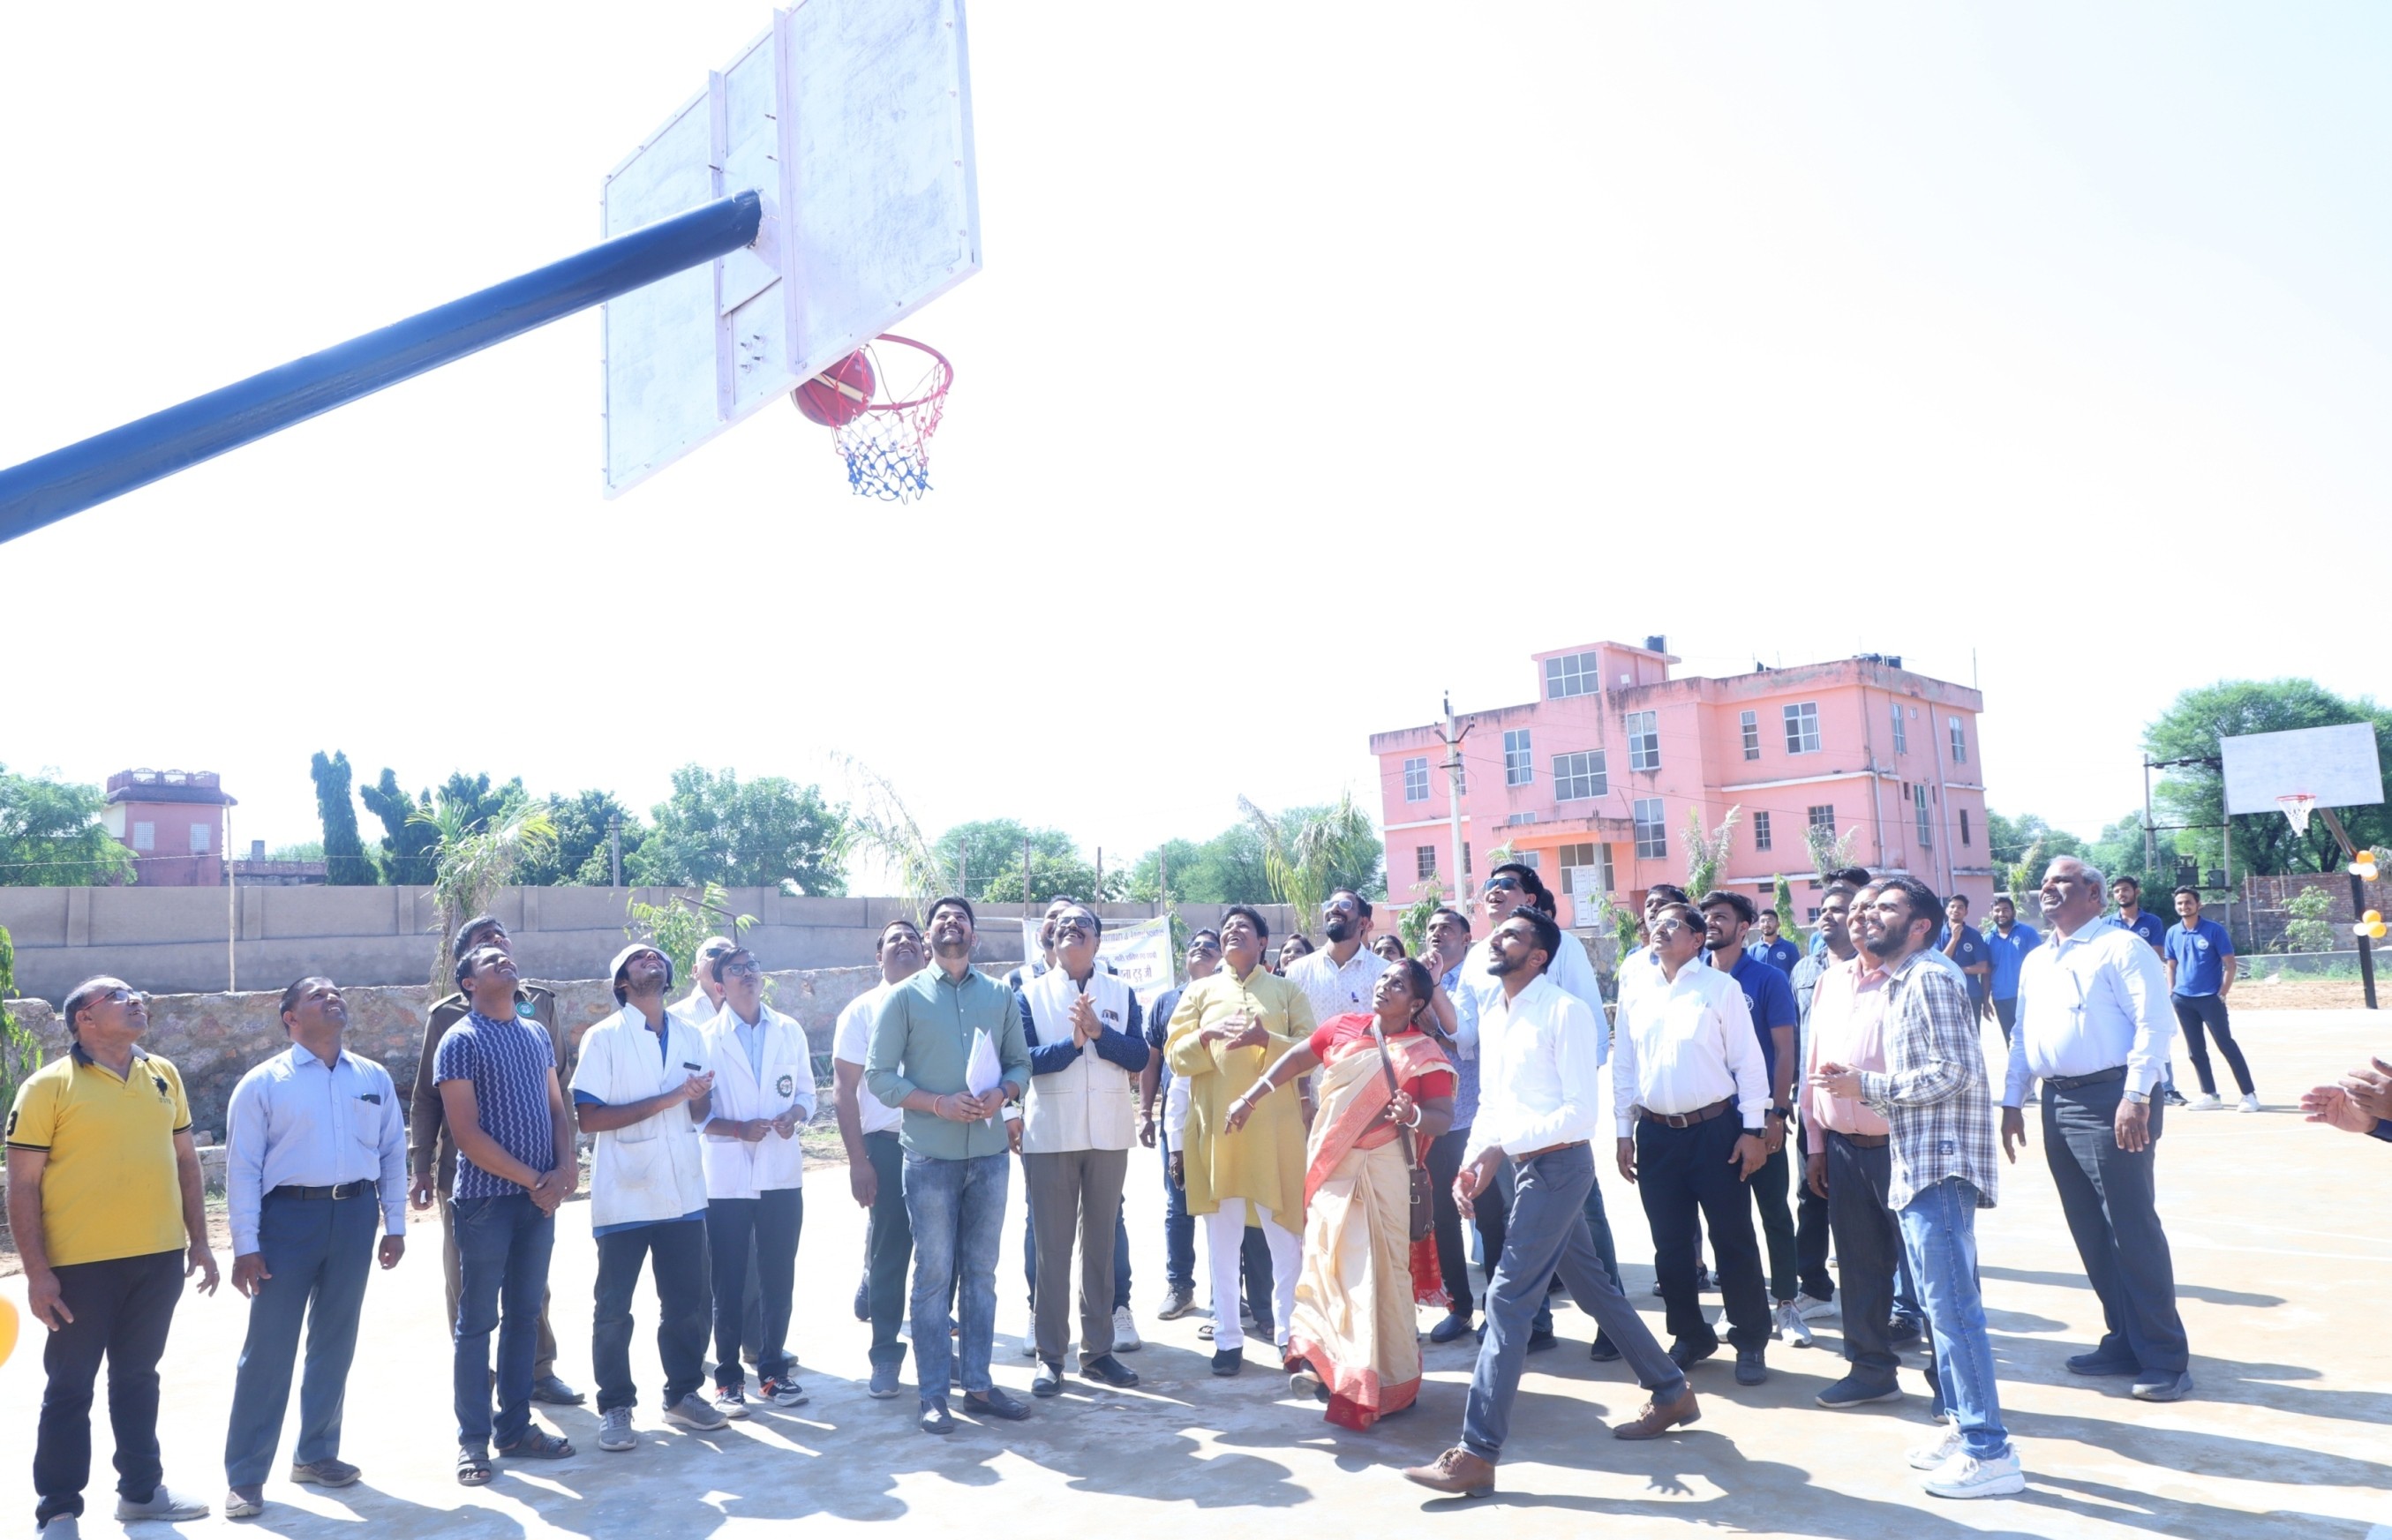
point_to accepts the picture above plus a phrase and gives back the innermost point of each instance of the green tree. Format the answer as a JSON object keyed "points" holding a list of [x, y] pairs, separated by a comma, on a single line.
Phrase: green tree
{"points": [[1830, 852], [1309, 853], [472, 859], [2011, 839], [2265, 844], [770, 831], [2306, 926], [582, 856], [345, 861], [20, 1052], [1707, 850], [680, 925], [1053, 877], [410, 831], [1227, 868], [50, 836], [984, 850], [1781, 900]]}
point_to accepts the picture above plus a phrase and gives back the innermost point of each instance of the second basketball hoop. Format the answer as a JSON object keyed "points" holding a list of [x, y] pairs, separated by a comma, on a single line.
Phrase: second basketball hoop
{"points": [[882, 430]]}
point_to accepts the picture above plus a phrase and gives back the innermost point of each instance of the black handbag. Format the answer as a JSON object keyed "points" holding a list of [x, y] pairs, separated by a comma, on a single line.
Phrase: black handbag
{"points": [[1424, 1214]]}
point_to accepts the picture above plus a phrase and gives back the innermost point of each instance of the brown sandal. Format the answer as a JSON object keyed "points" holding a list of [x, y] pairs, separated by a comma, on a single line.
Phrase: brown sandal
{"points": [[473, 1466], [537, 1445]]}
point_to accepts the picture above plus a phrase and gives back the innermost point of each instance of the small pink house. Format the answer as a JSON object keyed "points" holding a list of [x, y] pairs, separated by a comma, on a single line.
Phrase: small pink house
{"points": [[1593, 778], [173, 822]]}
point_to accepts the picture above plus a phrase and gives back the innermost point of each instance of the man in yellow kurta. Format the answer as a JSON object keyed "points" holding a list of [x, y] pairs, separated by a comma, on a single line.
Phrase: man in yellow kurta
{"points": [[1228, 1031]]}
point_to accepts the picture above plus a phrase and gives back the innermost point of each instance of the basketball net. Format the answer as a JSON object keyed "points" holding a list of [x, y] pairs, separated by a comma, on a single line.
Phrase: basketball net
{"points": [[887, 446], [2296, 807]]}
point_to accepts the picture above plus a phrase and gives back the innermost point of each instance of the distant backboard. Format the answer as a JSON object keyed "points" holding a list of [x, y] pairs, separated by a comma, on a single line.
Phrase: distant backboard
{"points": [[852, 119], [2336, 765]]}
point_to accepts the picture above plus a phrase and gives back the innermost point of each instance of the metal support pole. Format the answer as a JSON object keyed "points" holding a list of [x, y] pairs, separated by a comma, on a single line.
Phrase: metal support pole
{"points": [[2358, 905], [615, 852], [2150, 840], [67, 481], [1454, 734]]}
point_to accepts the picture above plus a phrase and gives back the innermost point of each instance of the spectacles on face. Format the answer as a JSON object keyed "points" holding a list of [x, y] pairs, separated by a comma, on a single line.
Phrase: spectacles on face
{"points": [[1204, 948], [126, 997], [1669, 927], [741, 970], [1074, 924], [1502, 885]]}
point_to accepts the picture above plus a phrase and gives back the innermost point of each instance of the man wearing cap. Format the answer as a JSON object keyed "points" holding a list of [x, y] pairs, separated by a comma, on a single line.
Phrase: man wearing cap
{"points": [[643, 1089], [763, 1093], [875, 1161], [956, 1152], [516, 1164], [104, 1204], [433, 1149], [315, 1155]]}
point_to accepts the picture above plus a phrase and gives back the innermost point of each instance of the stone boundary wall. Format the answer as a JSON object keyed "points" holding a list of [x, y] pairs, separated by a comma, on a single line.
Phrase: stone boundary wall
{"points": [[174, 939]]}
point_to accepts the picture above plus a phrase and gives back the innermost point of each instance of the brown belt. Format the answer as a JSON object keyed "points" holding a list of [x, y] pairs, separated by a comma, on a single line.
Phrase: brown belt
{"points": [[1863, 1141], [1700, 1115], [1549, 1149]]}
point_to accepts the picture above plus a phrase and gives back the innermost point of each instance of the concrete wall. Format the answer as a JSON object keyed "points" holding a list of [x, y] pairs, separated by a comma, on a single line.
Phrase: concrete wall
{"points": [[173, 940]]}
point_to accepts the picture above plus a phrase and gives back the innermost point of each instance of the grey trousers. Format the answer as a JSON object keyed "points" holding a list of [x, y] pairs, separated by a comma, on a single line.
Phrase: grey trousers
{"points": [[1074, 1193], [2110, 1197]]}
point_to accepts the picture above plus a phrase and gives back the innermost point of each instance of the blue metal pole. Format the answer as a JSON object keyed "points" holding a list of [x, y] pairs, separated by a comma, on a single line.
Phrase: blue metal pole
{"points": [[106, 465]]}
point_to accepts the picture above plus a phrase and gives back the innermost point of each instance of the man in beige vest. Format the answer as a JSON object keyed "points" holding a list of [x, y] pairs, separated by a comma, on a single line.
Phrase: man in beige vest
{"points": [[1087, 1044]]}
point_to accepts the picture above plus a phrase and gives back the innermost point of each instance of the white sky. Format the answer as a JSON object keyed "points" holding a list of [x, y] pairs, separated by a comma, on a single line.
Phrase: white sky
{"points": [[2043, 340]]}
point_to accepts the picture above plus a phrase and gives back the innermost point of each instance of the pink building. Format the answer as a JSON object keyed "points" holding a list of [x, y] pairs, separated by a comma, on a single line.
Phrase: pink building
{"points": [[173, 822], [1592, 781]]}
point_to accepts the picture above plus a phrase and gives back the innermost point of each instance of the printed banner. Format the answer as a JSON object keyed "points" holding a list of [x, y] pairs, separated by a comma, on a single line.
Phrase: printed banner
{"points": [[1138, 950]]}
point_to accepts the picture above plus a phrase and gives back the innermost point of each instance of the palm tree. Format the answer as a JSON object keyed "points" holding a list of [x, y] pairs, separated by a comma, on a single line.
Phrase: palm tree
{"points": [[471, 862], [1311, 853], [1829, 850], [1707, 850], [879, 825]]}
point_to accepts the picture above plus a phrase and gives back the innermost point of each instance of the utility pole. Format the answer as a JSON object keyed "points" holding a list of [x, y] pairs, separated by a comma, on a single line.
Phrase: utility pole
{"points": [[2151, 836], [1100, 876], [1452, 735], [615, 852], [233, 915]]}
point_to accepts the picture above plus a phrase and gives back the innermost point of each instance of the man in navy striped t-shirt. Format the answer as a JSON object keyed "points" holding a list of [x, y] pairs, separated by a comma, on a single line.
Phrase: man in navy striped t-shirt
{"points": [[515, 1163]]}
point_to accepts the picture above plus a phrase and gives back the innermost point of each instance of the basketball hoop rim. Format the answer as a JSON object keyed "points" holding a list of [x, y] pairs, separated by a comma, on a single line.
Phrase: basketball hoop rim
{"points": [[946, 377]]}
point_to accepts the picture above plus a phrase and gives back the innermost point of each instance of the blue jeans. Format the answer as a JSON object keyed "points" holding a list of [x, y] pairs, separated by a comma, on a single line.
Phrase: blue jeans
{"points": [[318, 1253], [956, 1209], [1939, 1229], [1178, 1229], [502, 1247]]}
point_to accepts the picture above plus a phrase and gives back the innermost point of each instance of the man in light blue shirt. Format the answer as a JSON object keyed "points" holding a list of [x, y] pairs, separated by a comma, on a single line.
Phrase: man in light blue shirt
{"points": [[315, 1153]]}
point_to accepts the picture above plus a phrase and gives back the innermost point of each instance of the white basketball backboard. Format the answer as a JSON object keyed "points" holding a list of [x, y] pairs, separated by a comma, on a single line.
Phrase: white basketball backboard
{"points": [[852, 120], [2336, 765]]}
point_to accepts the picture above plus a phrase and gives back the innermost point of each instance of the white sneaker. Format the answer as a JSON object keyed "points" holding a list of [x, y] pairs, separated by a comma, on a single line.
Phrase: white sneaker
{"points": [[1786, 1316], [614, 1433], [1125, 1337], [172, 1506], [2206, 1102], [1030, 1336], [2250, 1103], [1813, 1307], [731, 1401], [1936, 1454], [1965, 1476]]}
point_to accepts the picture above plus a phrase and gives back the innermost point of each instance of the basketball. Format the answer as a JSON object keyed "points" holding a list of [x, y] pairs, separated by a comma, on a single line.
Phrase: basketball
{"points": [[837, 395]]}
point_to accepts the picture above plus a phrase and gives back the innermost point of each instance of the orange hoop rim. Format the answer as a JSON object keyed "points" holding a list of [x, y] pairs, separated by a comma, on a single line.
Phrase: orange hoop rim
{"points": [[946, 376]]}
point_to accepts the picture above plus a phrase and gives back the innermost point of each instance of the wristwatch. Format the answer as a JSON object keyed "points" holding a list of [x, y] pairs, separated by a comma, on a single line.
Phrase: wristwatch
{"points": [[1013, 1112], [2140, 1098], [1781, 1113]]}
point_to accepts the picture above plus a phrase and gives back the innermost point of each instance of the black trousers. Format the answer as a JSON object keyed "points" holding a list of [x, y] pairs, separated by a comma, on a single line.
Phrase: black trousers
{"points": [[1684, 1173], [889, 1247], [758, 1235], [1773, 1199], [2194, 1012], [1868, 1239], [122, 1309], [1452, 1251], [1812, 1227], [2110, 1197], [676, 1250]]}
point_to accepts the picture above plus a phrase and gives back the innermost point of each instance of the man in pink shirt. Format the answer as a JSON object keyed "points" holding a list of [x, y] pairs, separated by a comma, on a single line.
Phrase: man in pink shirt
{"points": [[1846, 1162]]}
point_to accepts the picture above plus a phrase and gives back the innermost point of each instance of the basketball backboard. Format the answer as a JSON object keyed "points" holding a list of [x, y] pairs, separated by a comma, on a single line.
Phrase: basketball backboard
{"points": [[2336, 765], [852, 120]]}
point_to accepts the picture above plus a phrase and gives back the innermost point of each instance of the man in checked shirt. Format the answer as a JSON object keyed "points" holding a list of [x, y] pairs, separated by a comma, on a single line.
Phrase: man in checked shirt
{"points": [[1939, 1112]]}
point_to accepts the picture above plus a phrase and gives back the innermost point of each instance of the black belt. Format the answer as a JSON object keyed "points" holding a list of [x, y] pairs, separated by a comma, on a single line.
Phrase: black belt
{"points": [[2099, 1077], [347, 1190], [1863, 1141], [1688, 1120]]}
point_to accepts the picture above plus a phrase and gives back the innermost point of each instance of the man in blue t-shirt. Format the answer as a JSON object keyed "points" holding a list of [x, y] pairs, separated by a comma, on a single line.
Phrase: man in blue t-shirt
{"points": [[2201, 970], [2133, 916], [1772, 947], [2006, 945], [1964, 944], [1726, 919]]}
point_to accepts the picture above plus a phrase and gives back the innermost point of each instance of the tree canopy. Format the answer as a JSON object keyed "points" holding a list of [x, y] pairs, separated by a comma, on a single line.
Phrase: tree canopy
{"points": [[345, 861], [580, 855], [713, 829], [2194, 795], [51, 837]]}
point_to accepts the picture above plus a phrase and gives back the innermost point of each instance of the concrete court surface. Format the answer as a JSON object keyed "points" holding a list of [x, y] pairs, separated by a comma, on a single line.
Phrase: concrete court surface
{"points": [[2282, 1254]]}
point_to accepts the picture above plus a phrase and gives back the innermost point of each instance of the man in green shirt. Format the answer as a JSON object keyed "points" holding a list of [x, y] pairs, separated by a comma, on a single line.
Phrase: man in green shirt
{"points": [[955, 1153]]}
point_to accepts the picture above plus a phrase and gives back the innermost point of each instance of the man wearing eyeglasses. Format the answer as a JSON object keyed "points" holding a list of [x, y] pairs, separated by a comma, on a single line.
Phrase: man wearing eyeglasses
{"points": [[755, 1171], [876, 1162], [1178, 1227], [105, 1207]]}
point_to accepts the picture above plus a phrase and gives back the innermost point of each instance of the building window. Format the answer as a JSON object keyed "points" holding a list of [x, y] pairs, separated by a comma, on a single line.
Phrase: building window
{"points": [[1578, 777], [1533, 860], [1926, 816], [1465, 858], [1586, 870], [1803, 727], [144, 836], [1823, 815], [1424, 861], [1518, 769], [1750, 722], [200, 832], [1761, 840], [1964, 828], [1959, 741], [1901, 731], [1516, 820], [1416, 780], [1812, 913], [1652, 831], [1575, 675], [1644, 740]]}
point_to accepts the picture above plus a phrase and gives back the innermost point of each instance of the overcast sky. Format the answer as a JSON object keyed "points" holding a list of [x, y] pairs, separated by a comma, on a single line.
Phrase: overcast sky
{"points": [[1324, 359]]}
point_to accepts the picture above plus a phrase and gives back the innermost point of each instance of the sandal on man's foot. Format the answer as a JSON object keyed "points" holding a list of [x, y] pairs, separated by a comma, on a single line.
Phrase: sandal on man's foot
{"points": [[537, 1445], [472, 1465]]}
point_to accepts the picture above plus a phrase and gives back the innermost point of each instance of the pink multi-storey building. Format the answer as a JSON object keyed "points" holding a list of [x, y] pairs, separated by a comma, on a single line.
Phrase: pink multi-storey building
{"points": [[1593, 781]]}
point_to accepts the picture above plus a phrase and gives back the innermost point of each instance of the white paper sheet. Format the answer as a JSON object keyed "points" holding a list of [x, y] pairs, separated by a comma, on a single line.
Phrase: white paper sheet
{"points": [[983, 1072]]}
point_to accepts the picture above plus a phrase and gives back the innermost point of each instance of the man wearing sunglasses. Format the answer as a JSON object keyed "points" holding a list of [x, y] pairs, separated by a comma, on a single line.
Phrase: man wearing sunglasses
{"points": [[104, 1204]]}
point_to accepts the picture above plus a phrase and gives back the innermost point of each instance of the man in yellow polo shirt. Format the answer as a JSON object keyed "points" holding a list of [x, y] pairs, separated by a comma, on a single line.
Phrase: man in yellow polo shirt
{"points": [[104, 1200], [1227, 1030]]}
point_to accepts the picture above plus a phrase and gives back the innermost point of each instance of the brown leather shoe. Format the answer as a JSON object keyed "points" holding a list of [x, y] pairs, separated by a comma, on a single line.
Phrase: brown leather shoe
{"points": [[1657, 1418], [1456, 1473]]}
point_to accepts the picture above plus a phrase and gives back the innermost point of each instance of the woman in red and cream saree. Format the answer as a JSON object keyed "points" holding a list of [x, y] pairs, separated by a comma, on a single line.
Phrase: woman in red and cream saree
{"points": [[1355, 1336]]}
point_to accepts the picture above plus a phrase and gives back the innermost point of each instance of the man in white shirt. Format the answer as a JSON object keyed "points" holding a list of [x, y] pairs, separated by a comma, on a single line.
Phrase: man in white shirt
{"points": [[875, 1161], [1540, 1100], [2094, 1025], [1339, 978], [705, 998], [643, 1089], [755, 1171], [1691, 1092]]}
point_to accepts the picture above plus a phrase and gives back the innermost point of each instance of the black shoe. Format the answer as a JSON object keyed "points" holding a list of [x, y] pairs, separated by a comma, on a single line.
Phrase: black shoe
{"points": [[1706, 1281], [1750, 1368], [1227, 1362], [1453, 1327], [995, 1403], [1048, 1380], [2097, 1362], [863, 1298], [1602, 1350], [555, 1391], [1105, 1369], [1553, 1285], [2160, 1385], [2173, 1097], [1902, 1332], [1540, 1341], [936, 1419], [1687, 1355], [1656, 1289]]}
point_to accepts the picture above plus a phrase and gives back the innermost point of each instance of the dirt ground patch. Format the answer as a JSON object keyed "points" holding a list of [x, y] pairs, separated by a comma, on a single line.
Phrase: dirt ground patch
{"points": [[2304, 994]]}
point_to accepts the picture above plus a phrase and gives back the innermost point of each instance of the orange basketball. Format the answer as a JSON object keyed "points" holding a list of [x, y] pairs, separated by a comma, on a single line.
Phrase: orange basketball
{"points": [[837, 395]]}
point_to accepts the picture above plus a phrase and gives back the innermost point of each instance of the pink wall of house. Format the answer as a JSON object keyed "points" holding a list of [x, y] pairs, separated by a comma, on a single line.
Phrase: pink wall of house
{"points": [[1632, 739], [173, 823]]}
